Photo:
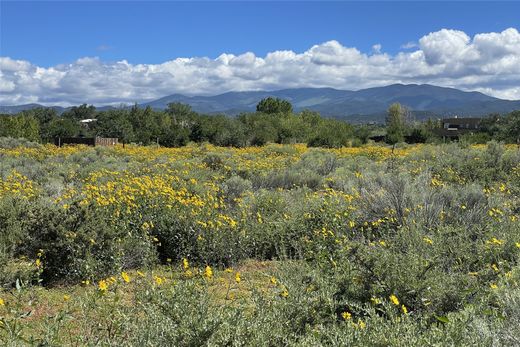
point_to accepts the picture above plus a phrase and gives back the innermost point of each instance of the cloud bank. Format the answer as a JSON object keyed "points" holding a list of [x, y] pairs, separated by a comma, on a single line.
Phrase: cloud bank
{"points": [[487, 62]]}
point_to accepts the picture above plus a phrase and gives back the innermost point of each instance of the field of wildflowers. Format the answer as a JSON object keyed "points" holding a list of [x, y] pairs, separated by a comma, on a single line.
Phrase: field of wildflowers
{"points": [[275, 245]]}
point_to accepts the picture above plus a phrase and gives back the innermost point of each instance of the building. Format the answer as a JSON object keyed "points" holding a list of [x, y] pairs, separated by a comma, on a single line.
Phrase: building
{"points": [[87, 122], [453, 128]]}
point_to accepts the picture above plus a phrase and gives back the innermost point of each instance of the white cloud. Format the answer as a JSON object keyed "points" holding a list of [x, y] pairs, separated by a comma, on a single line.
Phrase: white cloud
{"points": [[409, 45], [444, 46], [488, 62]]}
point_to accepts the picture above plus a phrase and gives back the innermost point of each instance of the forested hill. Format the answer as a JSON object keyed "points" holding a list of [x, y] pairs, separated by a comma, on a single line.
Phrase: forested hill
{"points": [[362, 105], [425, 100]]}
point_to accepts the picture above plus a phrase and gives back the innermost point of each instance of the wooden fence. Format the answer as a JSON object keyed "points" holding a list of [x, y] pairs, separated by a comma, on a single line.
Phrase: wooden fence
{"points": [[89, 141]]}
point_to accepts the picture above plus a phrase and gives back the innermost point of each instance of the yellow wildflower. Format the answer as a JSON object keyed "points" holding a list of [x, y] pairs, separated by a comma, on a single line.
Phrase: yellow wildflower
{"points": [[125, 277], [208, 272], [158, 280], [237, 277], [103, 285], [495, 241], [346, 315], [375, 300], [273, 280], [185, 264], [140, 273], [284, 293], [361, 324], [66, 297], [38, 262], [493, 286], [2, 302], [427, 240], [394, 300], [404, 309]]}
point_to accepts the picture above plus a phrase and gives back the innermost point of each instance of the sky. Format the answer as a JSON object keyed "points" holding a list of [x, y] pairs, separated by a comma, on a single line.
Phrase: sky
{"points": [[99, 52]]}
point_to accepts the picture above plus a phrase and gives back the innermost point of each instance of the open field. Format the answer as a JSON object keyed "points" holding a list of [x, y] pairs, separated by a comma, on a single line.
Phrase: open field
{"points": [[275, 245]]}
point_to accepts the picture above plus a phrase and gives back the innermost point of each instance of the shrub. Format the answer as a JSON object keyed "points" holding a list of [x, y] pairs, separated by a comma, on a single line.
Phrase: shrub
{"points": [[80, 243]]}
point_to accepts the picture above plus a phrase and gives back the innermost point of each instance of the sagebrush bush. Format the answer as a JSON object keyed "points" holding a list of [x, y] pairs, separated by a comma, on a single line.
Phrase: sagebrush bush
{"points": [[79, 243], [10, 142], [417, 246]]}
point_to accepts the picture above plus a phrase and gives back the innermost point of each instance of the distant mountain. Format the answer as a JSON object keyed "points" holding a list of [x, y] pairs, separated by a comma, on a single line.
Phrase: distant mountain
{"points": [[357, 106], [59, 109], [366, 104], [20, 108], [246, 101]]}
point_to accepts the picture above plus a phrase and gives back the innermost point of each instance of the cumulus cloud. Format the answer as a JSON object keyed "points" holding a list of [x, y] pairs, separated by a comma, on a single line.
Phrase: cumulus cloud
{"points": [[487, 62]]}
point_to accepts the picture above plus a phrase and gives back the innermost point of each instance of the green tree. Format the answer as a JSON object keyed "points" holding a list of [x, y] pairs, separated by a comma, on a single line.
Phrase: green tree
{"points": [[80, 112], [31, 128], [179, 111], [220, 130], [310, 118], [362, 133], [396, 123], [272, 105], [9, 127], [145, 123], [61, 127], [44, 116], [20, 125], [510, 128], [115, 123], [331, 133], [259, 128]]}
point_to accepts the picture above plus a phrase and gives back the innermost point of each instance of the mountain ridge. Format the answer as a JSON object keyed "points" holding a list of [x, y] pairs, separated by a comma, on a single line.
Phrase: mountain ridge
{"points": [[369, 104]]}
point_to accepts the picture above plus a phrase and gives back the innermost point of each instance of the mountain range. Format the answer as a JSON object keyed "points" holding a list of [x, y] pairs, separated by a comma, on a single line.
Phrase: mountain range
{"points": [[357, 106]]}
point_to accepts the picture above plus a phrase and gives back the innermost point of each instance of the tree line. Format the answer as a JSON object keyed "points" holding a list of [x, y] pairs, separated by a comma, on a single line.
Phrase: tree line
{"points": [[274, 121]]}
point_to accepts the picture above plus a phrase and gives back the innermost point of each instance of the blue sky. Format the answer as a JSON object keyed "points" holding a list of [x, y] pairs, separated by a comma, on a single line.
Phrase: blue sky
{"points": [[107, 52], [50, 33]]}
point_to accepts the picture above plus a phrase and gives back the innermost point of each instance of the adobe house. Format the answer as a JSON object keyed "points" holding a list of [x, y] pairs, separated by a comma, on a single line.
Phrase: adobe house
{"points": [[453, 128]]}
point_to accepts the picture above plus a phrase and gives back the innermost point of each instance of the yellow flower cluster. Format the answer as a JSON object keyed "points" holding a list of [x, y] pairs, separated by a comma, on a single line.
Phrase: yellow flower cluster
{"points": [[18, 185]]}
